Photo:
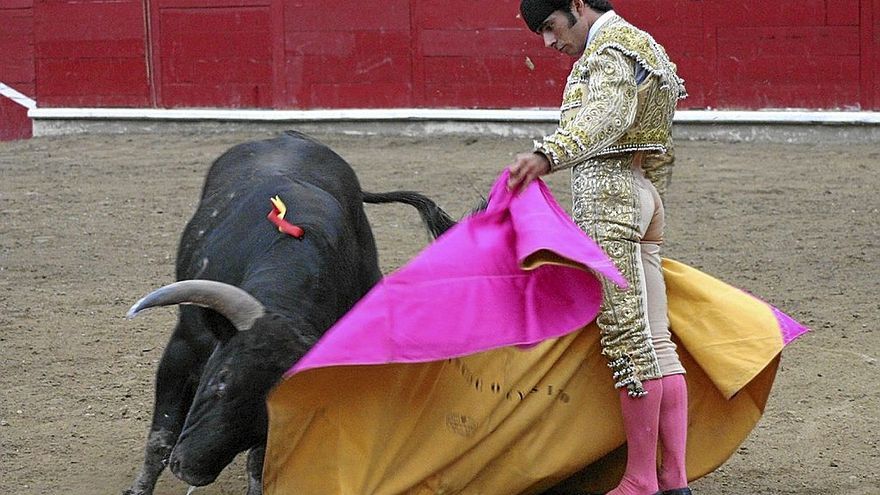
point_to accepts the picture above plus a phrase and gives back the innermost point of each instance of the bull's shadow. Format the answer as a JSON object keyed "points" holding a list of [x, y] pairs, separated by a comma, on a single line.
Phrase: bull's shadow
{"points": [[254, 299]]}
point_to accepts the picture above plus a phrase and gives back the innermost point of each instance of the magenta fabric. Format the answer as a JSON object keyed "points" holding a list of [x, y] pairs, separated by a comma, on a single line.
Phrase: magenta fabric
{"points": [[467, 292], [789, 327]]}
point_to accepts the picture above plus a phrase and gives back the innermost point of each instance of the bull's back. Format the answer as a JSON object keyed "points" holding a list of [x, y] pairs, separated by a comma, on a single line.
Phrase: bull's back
{"points": [[291, 155], [229, 229]]}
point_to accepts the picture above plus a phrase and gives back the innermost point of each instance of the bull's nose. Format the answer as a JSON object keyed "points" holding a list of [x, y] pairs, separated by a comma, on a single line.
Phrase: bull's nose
{"points": [[185, 471], [174, 464]]}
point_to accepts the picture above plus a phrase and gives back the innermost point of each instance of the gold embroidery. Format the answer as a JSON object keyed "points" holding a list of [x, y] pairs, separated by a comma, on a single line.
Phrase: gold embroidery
{"points": [[606, 207]]}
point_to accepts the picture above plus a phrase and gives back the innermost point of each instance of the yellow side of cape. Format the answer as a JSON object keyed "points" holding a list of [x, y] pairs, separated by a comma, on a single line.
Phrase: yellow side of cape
{"points": [[512, 421]]}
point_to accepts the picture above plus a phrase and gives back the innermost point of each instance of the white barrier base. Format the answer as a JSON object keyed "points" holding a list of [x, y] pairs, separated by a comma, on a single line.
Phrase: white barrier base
{"points": [[762, 125]]}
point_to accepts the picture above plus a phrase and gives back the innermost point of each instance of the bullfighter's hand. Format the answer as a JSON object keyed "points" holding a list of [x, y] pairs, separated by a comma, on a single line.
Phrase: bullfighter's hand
{"points": [[525, 168]]}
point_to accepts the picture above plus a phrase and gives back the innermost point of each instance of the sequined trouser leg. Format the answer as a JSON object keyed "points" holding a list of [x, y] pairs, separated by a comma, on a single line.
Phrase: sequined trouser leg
{"points": [[606, 205]]}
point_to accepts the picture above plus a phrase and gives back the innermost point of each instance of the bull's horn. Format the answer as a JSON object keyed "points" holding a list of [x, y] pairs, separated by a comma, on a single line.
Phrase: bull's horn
{"points": [[239, 307]]}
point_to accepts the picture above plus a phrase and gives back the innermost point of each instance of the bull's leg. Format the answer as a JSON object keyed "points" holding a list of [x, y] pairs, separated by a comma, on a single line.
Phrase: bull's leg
{"points": [[255, 470], [159, 443], [175, 389]]}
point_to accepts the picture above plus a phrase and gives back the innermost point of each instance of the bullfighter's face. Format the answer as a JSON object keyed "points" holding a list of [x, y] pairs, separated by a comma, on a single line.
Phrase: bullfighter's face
{"points": [[565, 32]]}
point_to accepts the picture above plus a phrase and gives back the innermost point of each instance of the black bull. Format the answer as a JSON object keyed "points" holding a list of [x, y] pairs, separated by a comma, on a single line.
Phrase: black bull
{"points": [[254, 300]]}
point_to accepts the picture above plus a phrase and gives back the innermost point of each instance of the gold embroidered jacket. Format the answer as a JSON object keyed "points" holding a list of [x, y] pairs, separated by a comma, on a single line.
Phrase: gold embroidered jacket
{"points": [[604, 112]]}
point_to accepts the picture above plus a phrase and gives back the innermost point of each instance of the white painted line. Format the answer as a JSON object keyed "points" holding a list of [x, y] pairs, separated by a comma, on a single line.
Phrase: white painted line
{"points": [[17, 97], [424, 114]]}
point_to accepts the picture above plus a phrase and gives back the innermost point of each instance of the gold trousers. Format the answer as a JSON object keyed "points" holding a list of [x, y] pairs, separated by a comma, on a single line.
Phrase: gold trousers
{"points": [[622, 211]]}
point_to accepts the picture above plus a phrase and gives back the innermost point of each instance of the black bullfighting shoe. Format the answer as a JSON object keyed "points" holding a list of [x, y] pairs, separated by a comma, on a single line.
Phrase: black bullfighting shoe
{"points": [[678, 491]]}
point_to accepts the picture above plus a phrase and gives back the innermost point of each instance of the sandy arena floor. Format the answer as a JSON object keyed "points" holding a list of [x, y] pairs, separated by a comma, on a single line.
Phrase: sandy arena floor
{"points": [[89, 224]]}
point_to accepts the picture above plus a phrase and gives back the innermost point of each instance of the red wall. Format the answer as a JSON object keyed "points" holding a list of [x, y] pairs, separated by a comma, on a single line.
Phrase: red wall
{"points": [[213, 53], [90, 53], [818, 54], [16, 65], [757, 54]]}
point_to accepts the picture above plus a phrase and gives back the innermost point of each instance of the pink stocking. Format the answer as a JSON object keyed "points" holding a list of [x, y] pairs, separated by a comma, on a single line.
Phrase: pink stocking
{"points": [[673, 432], [640, 420]]}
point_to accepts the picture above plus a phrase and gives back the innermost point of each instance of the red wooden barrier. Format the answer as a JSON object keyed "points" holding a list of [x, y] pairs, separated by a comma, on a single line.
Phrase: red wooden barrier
{"points": [[16, 65], [407, 53], [14, 122], [90, 54]]}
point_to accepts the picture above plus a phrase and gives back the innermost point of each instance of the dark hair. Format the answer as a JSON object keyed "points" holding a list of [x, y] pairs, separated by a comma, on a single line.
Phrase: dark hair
{"points": [[535, 12]]}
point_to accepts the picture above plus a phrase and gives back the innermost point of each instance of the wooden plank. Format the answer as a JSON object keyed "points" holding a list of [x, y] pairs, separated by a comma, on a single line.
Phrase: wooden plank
{"points": [[186, 45], [357, 56], [754, 13], [451, 70], [16, 4], [280, 97], [508, 82], [347, 15], [89, 20], [214, 57], [776, 82], [226, 95], [17, 49], [870, 45], [418, 12], [653, 14], [91, 77], [355, 95], [124, 48], [795, 95], [17, 72], [790, 42], [217, 70], [818, 70], [206, 4], [309, 89], [510, 42], [14, 122], [336, 70], [152, 22], [16, 23], [458, 15], [844, 13], [95, 100], [209, 20], [97, 59]]}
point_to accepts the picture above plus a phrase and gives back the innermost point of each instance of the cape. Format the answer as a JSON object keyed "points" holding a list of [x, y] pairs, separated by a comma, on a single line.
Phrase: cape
{"points": [[476, 368]]}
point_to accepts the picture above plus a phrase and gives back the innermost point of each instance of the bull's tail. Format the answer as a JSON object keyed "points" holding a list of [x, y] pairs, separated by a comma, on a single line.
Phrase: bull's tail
{"points": [[435, 219]]}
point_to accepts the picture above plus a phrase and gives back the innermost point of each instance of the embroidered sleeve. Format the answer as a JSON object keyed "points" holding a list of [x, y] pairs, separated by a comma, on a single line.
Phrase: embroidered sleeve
{"points": [[607, 111]]}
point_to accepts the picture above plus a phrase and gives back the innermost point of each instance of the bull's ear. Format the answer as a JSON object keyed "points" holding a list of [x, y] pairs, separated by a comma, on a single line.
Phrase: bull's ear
{"points": [[219, 325]]}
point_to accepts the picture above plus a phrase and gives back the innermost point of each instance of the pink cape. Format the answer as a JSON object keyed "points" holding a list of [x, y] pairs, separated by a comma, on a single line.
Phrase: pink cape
{"points": [[479, 275]]}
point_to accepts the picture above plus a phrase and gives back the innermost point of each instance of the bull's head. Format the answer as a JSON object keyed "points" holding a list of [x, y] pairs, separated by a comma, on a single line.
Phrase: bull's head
{"points": [[228, 413]]}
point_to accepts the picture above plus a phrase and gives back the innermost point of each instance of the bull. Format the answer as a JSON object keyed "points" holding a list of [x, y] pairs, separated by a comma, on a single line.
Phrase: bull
{"points": [[254, 300]]}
